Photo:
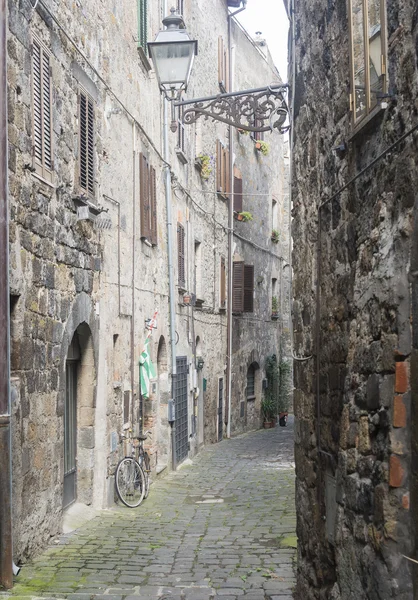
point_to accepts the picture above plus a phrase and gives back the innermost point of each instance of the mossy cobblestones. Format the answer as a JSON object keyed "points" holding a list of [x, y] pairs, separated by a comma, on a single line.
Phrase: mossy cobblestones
{"points": [[181, 544]]}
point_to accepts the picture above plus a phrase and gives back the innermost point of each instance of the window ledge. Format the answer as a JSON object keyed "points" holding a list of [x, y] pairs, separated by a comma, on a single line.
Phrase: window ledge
{"points": [[181, 156], [366, 122], [46, 181], [145, 62], [250, 398]]}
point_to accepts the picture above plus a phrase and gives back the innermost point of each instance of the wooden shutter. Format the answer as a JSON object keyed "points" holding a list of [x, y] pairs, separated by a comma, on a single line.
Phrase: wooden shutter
{"points": [[226, 172], [86, 136], [220, 61], [219, 163], [153, 195], [42, 111], [144, 197], [248, 288], [237, 193], [222, 169], [223, 283], [180, 249], [142, 23], [238, 287]]}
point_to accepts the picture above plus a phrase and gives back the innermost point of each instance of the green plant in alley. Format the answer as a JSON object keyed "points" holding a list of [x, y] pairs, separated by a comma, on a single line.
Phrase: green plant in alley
{"points": [[204, 161], [275, 236], [246, 216], [278, 383], [262, 147]]}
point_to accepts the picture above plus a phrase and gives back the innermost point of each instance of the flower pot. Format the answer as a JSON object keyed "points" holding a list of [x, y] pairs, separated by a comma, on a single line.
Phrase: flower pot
{"points": [[267, 424], [240, 217], [274, 316], [258, 145]]}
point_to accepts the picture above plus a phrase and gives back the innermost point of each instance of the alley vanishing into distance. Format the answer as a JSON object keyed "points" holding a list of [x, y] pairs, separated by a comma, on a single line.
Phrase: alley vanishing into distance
{"points": [[223, 527]]}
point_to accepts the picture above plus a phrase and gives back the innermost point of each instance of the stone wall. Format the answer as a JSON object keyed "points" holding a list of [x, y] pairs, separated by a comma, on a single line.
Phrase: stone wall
{"points": [[97, 279], [353, 278]]}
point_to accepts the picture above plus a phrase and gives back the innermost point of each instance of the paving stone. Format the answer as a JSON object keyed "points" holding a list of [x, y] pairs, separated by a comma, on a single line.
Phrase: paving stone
{"points": [[188, 551]]}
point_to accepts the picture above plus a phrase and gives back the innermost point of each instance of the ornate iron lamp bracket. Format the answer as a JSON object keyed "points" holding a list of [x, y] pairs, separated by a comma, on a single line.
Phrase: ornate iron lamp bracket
{"points": [[261, 109]]}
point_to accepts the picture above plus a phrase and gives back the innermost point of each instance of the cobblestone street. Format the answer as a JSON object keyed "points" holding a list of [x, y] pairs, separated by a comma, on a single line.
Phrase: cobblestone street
{"points": [[223, 526]]}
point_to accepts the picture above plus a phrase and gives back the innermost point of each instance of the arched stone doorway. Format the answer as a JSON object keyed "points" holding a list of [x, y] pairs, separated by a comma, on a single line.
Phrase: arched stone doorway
{"points": [[79, 409], [253, 395], [163, 435]]}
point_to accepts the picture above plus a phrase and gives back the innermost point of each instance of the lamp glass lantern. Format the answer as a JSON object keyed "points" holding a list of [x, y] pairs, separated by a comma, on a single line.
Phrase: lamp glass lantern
{"points": [[172, 53]]}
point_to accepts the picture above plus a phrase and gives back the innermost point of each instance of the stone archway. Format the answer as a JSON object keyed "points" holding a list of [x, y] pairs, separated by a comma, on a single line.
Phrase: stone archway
{"points": [[253, 392], [163, 395]]}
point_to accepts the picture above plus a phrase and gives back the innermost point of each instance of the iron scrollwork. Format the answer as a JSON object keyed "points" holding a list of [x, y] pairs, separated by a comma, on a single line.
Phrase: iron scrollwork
{"points": [[263, 109]]}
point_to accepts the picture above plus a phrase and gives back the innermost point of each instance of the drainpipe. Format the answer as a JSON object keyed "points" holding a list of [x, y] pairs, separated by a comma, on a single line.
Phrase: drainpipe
{"points": [[6, 560], [132, 407], [230, 229], [170, 252]]}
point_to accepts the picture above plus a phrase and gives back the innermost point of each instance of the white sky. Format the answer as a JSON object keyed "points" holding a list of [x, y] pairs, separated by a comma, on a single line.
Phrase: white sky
{"points": [[269, 17]]}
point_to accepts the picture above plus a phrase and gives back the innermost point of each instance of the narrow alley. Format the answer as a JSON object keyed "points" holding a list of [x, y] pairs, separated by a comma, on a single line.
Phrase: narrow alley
{"points": [[222, 526]]}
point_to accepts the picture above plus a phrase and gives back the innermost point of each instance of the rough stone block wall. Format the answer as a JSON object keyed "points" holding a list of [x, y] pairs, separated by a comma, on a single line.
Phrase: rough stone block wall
{"points": [[353, 267]]}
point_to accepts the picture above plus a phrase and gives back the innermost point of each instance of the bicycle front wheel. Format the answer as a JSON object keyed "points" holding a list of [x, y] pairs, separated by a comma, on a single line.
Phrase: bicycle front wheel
{"points": [[130, 482]]}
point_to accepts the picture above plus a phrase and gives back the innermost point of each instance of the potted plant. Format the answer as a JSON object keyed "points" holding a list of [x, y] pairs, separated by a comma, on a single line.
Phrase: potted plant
{"points": [[274, 308], [275, 236], [268, 411], [203, 163], [245, 216], [262, 147]]}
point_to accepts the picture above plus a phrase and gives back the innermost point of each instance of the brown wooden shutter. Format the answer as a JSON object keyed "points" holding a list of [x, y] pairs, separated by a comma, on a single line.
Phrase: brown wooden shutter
{"points": [[219, 163], [42, 110], [37, 102], [153, 194], [220, 61], [180, 248], [226, 69], [248, 288], [144, 197], [226, 173], [223, 283], [86, 133], [238, 287]]}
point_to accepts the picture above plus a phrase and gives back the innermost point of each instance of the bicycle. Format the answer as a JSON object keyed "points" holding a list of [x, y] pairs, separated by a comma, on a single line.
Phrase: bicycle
{"points": [[131, 479]]}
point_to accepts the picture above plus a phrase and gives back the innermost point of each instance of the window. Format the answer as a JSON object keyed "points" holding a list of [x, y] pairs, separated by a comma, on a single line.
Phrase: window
{"points": [[42, 106], [223, 183], [181, 131], [142, 8], [86, 143], [198, 270], [180, 7], [251, 383], [223, 66], [181, 255], [148, 200], [222, 295], [242, 288], [257, 135], [368, 55], [237, 190]]}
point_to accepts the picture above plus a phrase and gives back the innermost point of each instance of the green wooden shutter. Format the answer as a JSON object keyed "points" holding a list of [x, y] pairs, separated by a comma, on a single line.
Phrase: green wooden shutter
{"points": [[181, 255], [144, 197], [42, 110], [86, 137], [142, 9]]}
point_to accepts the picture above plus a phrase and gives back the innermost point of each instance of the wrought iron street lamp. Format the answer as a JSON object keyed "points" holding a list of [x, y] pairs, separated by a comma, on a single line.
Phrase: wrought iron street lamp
{"points": [[172, 53]]}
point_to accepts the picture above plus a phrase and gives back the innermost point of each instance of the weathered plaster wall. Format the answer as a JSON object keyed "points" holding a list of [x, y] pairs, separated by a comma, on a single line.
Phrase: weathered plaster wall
{"points": [[353, 449]]}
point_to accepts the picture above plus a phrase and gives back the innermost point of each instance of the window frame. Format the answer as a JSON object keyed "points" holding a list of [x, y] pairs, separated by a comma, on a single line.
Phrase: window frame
{"points": [[223, 65], [370, 110], [252, 396], [242, 287], [223, 170], [40, 168]]}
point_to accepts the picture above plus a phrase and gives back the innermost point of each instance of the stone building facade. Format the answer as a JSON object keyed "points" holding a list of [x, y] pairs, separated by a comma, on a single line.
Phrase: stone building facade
{"points": [[354, 179], [89, 248]]}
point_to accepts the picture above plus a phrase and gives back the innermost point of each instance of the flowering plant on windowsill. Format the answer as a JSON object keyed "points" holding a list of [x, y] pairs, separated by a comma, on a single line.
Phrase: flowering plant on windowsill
{"points": [[262, 147], [204, 162], [275, 236], [245, 216]]}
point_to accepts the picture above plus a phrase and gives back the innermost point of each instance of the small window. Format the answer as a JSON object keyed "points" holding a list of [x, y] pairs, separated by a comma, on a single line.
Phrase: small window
{"points": [[251, 383], [41, 111], [180, 7], [148, 200], [142, 8], [181, 255], [198, 270], [368, 55], [223, 66], [223, 183], [257, 135], [222, 299], [242, 288], [237, 190], [86, 135]]}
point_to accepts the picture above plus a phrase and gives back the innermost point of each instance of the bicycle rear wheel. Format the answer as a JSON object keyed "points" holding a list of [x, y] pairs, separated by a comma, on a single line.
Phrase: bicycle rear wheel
{"points": [[130, 482]]}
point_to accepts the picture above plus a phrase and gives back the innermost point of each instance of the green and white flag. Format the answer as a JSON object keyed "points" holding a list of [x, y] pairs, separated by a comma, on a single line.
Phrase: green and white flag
{"points": [[146, 370]]}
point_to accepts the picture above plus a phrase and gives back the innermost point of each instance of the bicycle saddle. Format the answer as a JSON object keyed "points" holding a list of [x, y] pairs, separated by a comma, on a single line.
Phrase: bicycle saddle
{"points": [[141, 438]]}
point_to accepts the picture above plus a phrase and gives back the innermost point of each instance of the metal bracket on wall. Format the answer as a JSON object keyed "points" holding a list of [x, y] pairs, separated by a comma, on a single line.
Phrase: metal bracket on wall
{"points": [[261, 109]]}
